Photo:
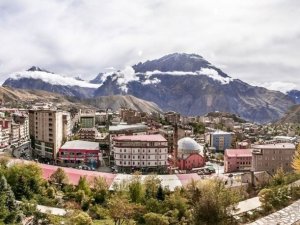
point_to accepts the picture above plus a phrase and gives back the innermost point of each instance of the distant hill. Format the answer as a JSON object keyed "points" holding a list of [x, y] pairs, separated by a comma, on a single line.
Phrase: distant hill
{"points": [[227, 115], [292, 116], [115, 102], [15, 97]]}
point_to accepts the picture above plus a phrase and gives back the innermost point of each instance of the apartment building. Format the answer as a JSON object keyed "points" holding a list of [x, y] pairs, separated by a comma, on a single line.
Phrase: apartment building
{"points": [[168, 133], [4, 136], [220, 140], [146, 152], [237, 160], [47, 129], [125, 129], [270, 157]]}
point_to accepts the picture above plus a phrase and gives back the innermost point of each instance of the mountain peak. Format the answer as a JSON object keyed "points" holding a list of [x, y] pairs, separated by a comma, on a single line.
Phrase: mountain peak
{"points": [[36, 68], [182, 62]]}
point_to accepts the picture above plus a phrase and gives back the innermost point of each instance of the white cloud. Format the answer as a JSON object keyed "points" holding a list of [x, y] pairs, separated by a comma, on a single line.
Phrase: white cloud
{"points": [[249, 37], [279, 86]]}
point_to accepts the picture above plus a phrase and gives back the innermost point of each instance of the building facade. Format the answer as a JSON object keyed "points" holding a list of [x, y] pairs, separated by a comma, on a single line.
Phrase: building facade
{"points": [[47, 132], [75, 153], [145, 152], [87, 120], [237, 160], [270, 157], [221, 140]]}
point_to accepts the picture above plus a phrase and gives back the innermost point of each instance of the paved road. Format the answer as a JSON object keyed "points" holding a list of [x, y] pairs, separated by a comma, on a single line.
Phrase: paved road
{"points": [[247, 205], [287, 216]]}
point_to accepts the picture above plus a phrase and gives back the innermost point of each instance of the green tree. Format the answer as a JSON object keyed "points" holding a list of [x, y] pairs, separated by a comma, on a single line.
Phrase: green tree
{"points": [[155, 219], [160, 195], [121, 210], [9, 211], [84, 185], [136, 191], [59, 177], [80, 218], [152, 183], [278, 178], [25, 180], [100, 190], [211, 202]]}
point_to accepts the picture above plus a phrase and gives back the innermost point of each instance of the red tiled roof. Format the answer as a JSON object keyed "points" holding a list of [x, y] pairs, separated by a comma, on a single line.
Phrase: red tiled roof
{"points": [[154, 137], [75, 174], [238, 152]]}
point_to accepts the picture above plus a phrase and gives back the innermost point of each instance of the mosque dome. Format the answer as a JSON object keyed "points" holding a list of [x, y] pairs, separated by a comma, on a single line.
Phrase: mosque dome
{"points": [[188, 145]]}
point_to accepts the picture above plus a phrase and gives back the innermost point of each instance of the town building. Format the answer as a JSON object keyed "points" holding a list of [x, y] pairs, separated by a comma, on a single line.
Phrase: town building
{"points": [[190, 154], [4, 136], [172, 117], [270, 157], [75, 153], [125, 129], [88, 134], [237, 160], [168, 133], [47, 129], [219, 139], [87, 120], [144, 152]]}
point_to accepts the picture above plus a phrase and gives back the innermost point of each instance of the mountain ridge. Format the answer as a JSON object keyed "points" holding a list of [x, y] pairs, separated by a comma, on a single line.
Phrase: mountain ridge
{"points": [[186, 83]]}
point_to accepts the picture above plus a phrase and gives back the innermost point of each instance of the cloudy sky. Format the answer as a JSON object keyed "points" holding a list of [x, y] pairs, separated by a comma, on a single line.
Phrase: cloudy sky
{"points": [[253, 40]]}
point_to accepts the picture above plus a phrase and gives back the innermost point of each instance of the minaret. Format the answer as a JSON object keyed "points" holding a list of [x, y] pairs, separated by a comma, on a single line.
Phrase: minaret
{"points": [[175, 144]]}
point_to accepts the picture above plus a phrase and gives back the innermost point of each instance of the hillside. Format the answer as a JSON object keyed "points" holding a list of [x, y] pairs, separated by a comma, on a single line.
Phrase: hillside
{"points": [[115, 102], [14, 97], [292, 116]]}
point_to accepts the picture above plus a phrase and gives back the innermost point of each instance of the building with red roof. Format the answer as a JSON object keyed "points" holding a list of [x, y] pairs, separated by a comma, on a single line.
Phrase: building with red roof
{"points": [[237, 160]]}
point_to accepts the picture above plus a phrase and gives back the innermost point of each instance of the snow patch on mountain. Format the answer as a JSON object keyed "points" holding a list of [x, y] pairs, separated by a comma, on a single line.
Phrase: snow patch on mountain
{"points": [[151, 81], [51, 78], [212, 73]]}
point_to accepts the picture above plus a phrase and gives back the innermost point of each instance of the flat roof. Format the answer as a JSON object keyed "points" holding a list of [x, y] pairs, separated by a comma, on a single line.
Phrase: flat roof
{"points": [[275, 146], [220, 132], [152, 137], [238, 152], [78, 144], [120, 127]]}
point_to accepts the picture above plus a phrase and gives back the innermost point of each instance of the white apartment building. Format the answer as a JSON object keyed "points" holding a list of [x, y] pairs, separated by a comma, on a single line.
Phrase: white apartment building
{"points": [[4, 137], [140, 151], [48, 128]]}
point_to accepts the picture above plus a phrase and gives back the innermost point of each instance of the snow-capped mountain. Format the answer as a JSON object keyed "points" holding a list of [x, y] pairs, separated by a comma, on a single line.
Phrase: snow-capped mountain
{"points": [[295, 94], [37, 78], [189, 84], [185, 83]]}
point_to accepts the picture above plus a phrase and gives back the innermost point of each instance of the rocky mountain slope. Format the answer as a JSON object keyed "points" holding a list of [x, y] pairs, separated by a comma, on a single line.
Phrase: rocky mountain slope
{"points": [[185, 83], [115, 102], [14, 97], [22, 97], [292, 115], [294, 94], [192, 86]]}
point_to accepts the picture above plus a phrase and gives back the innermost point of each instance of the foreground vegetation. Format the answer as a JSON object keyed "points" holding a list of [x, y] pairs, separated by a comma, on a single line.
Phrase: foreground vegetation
{"points": [[131, 202]]}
